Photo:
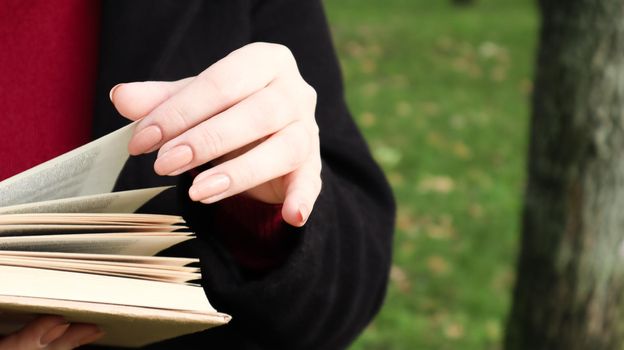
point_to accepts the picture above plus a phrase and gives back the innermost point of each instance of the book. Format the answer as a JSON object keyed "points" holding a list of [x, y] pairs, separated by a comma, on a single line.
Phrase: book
{"points": [[70, 246]]}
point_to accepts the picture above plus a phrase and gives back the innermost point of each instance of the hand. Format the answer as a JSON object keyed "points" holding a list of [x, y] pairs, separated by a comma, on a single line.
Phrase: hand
{"points": [[51, 333], [251, 115]]}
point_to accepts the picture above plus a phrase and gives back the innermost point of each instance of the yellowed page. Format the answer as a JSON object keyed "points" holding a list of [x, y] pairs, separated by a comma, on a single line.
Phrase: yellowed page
{"points": [[100, 264], [126, 271], [90, 169], [50, 229], [52, 284], [85, 243], [90, 218], [138, 259], [116, 202]]}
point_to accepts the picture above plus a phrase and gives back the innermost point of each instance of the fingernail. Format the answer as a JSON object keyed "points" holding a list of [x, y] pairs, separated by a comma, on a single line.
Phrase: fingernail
{"points": [[206, 189], [145, 140], [171, 162], [303, 214], [112, 91], [53, 334], [91, 338]]}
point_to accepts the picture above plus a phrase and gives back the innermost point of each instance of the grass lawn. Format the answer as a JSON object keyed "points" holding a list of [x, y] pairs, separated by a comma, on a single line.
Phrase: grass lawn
{"points": [[441, 94]]}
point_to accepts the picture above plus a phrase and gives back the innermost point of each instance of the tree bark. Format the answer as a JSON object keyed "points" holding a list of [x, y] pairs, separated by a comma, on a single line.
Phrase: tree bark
{"points": [[570, 285]]}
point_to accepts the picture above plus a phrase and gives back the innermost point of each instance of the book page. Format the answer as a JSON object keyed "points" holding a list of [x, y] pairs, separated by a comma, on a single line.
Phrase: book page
{"points": [[51, 229], [140, 272], [132, 259], [52, 284], [89, 169], [105, 264], [87, 218], [116, 202], [86, 243]]}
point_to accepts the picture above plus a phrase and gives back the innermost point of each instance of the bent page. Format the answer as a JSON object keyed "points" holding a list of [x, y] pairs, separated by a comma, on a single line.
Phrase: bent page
{"points": [[63, 285], [116, 202], [131, 259], [99, 264], [87, 243], [89, 169], [87, 219], [147, 325], [56, 229], [139, 272]]}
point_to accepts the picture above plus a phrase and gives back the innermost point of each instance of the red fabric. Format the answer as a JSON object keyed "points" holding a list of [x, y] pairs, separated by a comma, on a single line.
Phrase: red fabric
{"points": [[253, 232], [48, 61]]}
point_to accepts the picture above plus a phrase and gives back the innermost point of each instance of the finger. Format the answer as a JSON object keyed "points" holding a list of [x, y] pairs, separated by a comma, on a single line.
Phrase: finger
{"points": [[261, 114], [77, 334], [135, 100], [278, 155], [222, 85], [302, 189], [37, 334]]}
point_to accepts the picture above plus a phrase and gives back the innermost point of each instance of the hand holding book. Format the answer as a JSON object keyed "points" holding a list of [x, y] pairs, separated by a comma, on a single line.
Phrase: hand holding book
{"points": [[70, 247]]}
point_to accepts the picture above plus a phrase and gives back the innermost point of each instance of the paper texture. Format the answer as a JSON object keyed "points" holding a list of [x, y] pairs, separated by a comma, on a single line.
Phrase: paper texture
{"points": [[116, 202], [90, 169], [63, 285], [70, 247]]}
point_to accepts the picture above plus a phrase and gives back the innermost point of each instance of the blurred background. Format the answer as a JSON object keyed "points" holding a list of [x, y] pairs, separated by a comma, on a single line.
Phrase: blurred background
{"points": [[441, 92]]}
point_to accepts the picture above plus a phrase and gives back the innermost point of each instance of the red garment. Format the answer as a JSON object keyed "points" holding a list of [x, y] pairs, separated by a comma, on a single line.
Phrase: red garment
{"points": [[254, 233], [48, 67]]}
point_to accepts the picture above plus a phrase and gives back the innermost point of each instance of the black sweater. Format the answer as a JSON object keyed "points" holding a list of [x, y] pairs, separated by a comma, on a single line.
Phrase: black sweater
{"points": [[334, 281]]}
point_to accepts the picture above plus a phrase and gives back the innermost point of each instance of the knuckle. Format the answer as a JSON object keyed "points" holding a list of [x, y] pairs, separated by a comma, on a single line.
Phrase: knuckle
{"points": [[296, 146], [314, 129], [283, 52], [318, 166], [210, 144], [283, 55], [318, 186], [279, 53], [216, 85], [175, 115], [306, 99], [256, 45], [244, 177], [272, 109], [309, 93]]}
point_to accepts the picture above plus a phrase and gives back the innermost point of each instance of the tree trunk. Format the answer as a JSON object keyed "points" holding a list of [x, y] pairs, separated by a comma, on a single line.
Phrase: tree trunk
{"points": [[570, 285]]}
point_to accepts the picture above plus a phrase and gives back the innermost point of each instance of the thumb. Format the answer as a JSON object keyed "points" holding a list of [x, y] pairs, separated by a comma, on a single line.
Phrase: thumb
{"points": [[135, 100], [37, 334]]}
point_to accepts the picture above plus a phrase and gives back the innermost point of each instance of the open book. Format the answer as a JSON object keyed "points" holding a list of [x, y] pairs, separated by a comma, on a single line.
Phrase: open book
{"points": [[71, 247]]}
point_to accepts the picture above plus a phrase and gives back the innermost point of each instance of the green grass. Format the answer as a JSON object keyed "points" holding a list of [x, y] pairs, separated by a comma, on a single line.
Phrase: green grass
{"points": [[441, 94]]}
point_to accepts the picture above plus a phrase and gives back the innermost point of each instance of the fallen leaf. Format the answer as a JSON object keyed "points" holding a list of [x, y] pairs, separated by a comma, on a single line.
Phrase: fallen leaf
{"points": [[454, 330], [437, 264], [399, 277], [368, 119], [387, 156], [442, 229], [461, 150], [439, 184]]}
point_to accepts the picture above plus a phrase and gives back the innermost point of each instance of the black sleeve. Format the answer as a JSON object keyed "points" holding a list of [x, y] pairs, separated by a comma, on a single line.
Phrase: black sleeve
{"points": [[334, 281]]}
